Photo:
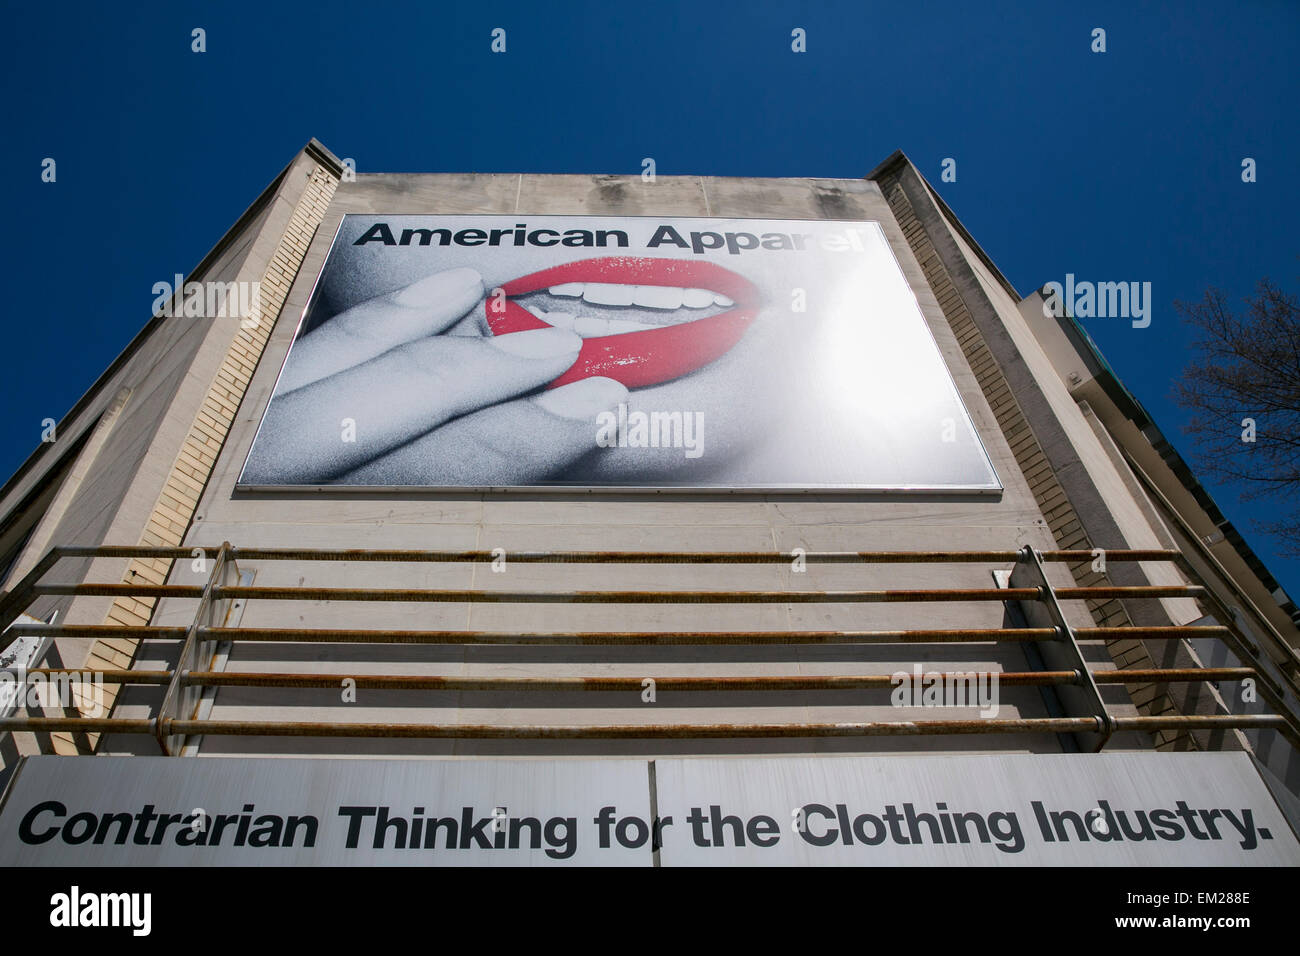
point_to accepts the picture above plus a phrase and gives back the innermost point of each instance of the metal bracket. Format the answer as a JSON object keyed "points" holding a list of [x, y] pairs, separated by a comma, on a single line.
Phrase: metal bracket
{"points": [[181, 701], [1081, 699], [220, 655]]}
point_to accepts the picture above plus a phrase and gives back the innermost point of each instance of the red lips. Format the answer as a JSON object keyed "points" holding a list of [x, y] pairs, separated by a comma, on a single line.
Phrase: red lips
{"points": [[638, 359]]}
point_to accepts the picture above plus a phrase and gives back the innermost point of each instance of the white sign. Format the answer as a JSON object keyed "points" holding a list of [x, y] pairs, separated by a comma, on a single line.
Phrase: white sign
{"points": [[1122, 809], [563, 352], [1127, 809], [176, 811]]}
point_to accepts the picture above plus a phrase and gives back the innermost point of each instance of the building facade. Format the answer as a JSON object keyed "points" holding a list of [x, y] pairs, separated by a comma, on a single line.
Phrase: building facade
{"points": [[763, 619]]}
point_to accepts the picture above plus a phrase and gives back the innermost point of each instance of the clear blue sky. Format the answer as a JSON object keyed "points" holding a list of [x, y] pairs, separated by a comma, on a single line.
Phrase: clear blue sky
{"points": [[1116, 166]]}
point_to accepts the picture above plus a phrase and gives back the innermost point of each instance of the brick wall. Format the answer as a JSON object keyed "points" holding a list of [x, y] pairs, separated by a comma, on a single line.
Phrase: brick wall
{"points": [[1033, 462], [176, 504]]}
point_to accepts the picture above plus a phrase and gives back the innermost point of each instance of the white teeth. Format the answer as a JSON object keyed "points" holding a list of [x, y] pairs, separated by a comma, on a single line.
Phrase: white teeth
{"points": [[657, 296], [647, 296], [607, 293], [561, 320], [590, 327]]}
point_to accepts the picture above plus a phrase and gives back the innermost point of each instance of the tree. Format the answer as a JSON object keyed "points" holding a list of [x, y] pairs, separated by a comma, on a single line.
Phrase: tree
{"points": [[1243, 390]]}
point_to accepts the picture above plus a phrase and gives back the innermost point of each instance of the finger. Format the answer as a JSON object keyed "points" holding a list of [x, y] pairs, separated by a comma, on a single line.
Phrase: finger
{"points": [[474, 322], [373, 327], [516, 443], [334, 425]]}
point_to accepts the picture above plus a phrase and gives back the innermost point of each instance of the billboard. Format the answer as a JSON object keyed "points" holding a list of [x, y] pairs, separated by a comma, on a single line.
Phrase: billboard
{"points": [[1120, 809], [484, 352]]}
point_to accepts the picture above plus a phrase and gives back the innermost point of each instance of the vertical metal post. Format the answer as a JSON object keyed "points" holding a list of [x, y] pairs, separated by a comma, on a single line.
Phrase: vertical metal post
{"points": [[15, 601], [234, 610], [180, 701], [1081, 699]]}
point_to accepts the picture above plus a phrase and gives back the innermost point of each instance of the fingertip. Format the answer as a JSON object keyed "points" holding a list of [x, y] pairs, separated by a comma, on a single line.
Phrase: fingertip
{"points": [[539, 343], [583, 399], [453, 284]]}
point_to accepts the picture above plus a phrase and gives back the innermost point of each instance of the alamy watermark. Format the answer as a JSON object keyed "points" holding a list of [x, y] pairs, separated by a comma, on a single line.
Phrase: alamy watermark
{"points": [[83, 692], [208, 300], [133, 911], [952, 689], [1102, 300], [626, 429]]}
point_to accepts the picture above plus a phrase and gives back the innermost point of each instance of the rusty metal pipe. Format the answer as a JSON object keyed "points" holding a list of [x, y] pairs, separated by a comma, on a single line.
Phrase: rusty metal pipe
{"points": [[604, 557], [98, 630], [671, 683], [120, 590], [418, 595], [625, 597], [1159, 633], [1173, 675], [619, 638], [15, 600], [91, 725], [1203, 722], [377, 636], [107, 676], [1126, 554], [794, 682], [1042, 725], [1132, 591], [604, 684], [919, 728], [1057, 725]]}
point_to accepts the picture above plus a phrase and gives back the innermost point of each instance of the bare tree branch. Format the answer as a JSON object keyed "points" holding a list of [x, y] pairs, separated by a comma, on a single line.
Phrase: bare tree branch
{"points": [[1243, 389]]}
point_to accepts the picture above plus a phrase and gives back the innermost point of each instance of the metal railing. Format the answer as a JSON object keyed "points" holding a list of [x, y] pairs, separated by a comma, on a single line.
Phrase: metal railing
{"points": [[1065, 672]]}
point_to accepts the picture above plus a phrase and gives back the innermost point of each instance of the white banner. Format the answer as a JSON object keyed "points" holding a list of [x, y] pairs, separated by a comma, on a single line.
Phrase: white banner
{"points": [[595, 352], [1125, 809]]}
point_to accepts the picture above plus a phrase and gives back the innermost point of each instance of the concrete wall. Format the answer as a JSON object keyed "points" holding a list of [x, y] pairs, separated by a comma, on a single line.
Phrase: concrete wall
{"points": [[617, 522], [138, 418], [146, 417]]}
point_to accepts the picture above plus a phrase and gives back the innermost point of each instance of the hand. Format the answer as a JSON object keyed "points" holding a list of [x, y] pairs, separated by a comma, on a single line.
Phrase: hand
{"points": [[430, 407]]}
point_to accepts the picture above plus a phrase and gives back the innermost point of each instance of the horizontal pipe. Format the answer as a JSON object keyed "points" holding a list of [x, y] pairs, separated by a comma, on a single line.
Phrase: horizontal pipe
{"points": [[1166, 632], [1203, 722], [121, 590], [775, 683], [149, 632], [1132, 591], [378, 636], [247, 728], [609, 557], [886, 728], [125, 551], [106, 676], [611, 684], [1173, 675], [1042, 725], [797, 682], [636, 684], [616, 638], [699, 597], [1127, 554], [631, 557], [690, 557], [418, 595], [89, 725], [625, 597]]}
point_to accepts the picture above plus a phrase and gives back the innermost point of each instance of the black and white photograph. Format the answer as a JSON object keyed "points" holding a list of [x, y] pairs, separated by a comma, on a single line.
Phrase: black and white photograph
{"points": [[617, 353]]}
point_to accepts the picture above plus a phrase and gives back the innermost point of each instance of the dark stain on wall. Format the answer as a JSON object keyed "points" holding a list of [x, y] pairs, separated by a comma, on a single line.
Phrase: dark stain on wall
{"points": [[834, 203]]}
